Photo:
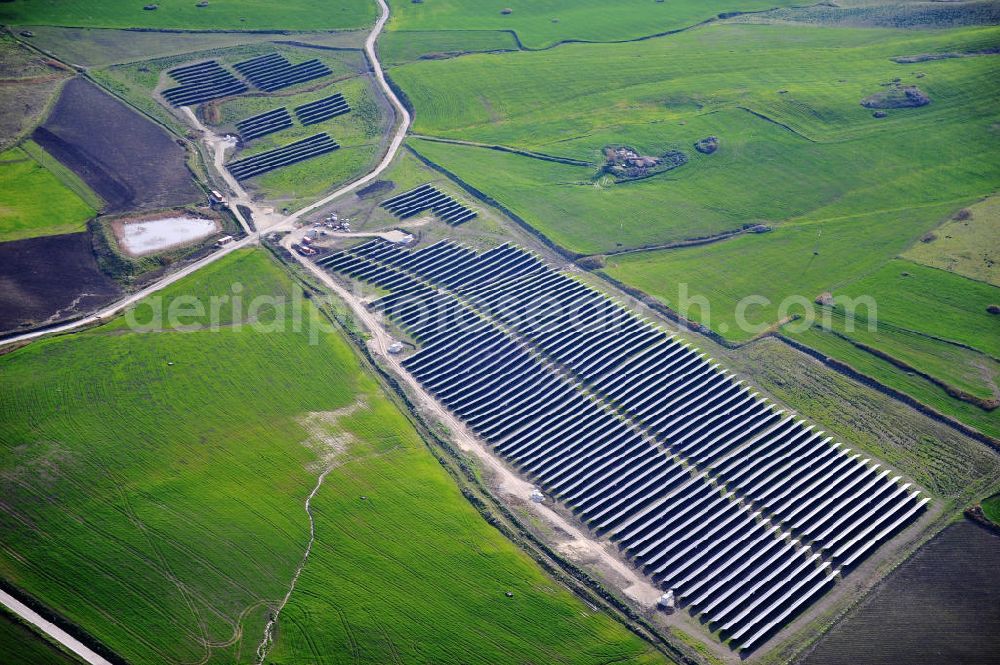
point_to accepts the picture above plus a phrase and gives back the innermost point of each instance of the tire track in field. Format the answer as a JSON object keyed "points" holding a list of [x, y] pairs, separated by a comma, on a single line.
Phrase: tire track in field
{"points": [[166, 569]]}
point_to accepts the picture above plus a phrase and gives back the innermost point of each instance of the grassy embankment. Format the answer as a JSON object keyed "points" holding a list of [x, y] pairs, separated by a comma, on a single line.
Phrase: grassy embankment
{"points": [[991, 508], [154, 486]]}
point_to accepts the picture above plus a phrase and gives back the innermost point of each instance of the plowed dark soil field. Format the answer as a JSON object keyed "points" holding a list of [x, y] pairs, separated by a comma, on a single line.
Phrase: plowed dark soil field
{"points": [[131, 162], [941, 606], [48, 279]]}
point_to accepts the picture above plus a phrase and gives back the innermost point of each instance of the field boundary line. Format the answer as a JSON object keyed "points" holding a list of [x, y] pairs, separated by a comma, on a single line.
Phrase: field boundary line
{"points": [[889, 391], [502, 148]]}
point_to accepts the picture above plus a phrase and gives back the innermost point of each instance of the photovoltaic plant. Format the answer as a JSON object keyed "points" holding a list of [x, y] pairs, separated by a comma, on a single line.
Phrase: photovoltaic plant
{"points": [[314, 146], [263, 124], [428, 197], [322, 109], [274, 72], [747, 512], [202, 82]]}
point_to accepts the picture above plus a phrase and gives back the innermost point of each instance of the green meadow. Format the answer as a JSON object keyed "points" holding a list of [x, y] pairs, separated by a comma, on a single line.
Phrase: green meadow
{"points": [[542, 24], [795, 144], [395, 48], [40, 197], [840, 191], [404, 570], [968, 244], [154, 485], [186, 15]]}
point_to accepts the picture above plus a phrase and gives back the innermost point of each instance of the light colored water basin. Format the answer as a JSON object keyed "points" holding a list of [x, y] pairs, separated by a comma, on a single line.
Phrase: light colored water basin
{"points": [[155, 235]]}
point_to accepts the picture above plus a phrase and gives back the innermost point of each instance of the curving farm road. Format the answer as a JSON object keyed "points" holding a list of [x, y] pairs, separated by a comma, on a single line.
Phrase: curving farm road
{"points": [[12, 604]]}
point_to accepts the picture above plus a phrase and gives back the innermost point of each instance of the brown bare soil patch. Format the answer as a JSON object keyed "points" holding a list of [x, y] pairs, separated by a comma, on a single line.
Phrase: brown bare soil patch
{"points": [[50, 279], [128, 160]]}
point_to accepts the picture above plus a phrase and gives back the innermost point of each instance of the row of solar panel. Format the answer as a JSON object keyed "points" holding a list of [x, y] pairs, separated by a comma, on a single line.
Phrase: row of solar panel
{"points": [[279, 119], [263, 124], [322, 109], [702, 484], [314, 146], [273, 71], [208, 80], [428, 197], [202, 82]]}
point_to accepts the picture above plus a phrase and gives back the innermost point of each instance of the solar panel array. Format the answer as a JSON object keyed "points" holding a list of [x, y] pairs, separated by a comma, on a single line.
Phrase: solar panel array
{"points": [[745, 511], [318, 144], [202, 82], [322, 109], [273, 71], [428, 197], [263, 124]]}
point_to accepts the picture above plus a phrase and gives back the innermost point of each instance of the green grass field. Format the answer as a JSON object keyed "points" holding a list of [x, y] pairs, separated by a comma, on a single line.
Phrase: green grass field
{"points": [[154, 486], [404, 570], [969, 247], [888, 374], [396, 48], [991, 508], [184, 15], [934, 302], [542, 24], [35, 199], [805, 154]]}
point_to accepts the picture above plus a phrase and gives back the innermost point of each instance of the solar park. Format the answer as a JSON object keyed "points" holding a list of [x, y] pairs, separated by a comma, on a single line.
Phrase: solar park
{"points": [[314, 146], [202, 82], [428, 197], [273, 71], [322, 109], [745, 511], [264, 124]]}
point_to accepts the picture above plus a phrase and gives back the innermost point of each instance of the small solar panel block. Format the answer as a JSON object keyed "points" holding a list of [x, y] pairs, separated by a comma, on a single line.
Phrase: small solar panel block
{"points": [[428, 197]]}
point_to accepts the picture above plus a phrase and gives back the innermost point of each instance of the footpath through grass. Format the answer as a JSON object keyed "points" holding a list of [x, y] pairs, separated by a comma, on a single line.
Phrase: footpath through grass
{"points": [[154, 483]]}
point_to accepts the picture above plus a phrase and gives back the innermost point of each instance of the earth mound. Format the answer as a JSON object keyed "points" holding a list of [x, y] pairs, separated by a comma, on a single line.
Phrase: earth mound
{"points": [[897, 97], [707, 145], [625, 163]]}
